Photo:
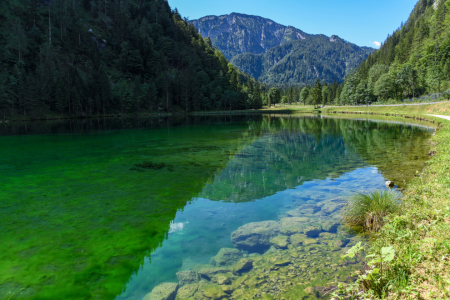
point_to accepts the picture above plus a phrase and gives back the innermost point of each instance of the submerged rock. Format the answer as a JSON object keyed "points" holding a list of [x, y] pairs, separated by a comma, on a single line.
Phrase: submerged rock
{"points": [[209, 273], [255, 237], [226, 257], [293, 225], [308, 242], [312, 230], [327, 236], [243, 265], [297, 239], [187, 291], [187, 277], [280, 241], [164, 291], [331, 207], [213, 291], [330, 226], [282, 262], [227, 289], [222, 279]]}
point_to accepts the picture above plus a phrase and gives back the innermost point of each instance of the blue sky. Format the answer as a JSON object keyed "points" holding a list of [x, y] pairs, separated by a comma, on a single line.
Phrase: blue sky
{"points": [[362, 22]]}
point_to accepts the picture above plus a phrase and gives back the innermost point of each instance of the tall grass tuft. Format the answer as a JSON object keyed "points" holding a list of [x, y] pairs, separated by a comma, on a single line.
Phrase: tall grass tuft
{"points": [[367, 210]]}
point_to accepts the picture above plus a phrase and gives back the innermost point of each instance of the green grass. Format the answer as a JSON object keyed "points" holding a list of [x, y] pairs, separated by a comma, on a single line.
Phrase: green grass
{"points": [[368, 210]]}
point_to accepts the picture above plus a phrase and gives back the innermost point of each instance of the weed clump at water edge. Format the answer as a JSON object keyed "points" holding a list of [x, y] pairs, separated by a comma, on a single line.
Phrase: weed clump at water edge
{"points": [[367, 211]]}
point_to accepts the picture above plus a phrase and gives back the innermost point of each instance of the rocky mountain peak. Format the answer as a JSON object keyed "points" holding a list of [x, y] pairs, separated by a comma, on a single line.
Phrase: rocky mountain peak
{"points": [[238, 33], [335, 38]]}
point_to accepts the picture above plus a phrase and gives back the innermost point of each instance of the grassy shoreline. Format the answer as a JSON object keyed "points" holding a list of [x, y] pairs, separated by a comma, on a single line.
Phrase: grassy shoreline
{"points": [[420, 232]]}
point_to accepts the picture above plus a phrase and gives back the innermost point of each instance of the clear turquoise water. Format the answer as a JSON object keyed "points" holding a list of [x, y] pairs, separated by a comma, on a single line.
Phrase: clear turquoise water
{"points": [[82, 221]]}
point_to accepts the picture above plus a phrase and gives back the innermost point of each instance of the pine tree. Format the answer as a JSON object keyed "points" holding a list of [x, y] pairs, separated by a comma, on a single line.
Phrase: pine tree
{"points": [[316, 93]]}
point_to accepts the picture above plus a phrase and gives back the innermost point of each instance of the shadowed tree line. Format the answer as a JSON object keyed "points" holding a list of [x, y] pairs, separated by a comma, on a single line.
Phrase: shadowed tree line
{"points": [[82, 58]]}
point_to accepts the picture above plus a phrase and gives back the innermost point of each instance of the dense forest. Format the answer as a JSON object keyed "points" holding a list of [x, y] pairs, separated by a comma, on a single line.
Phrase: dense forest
{"points": [[301, 62], [413, 61], [99, 57], [321, 93]]}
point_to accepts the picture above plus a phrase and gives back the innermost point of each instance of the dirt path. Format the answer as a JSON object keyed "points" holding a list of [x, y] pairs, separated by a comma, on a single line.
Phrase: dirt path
{"points": [[403, 104], [440, 116]]}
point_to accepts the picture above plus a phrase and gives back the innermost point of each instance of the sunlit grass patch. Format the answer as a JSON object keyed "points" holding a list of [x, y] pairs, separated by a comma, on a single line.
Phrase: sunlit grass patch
{"points": [[368, 210]]}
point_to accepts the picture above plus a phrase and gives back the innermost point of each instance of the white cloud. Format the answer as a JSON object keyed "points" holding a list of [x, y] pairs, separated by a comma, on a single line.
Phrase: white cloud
{"points": [[378, 44]]}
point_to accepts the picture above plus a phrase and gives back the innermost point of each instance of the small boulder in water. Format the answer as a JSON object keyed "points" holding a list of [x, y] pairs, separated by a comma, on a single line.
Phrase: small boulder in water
{"points": [[208, 273], [226, 257], [222, 279], [280, 241], [187, 277], [187, 291], [164, 291], [312, 230], [255, 237], [297, 239], [293, 225], [213, 291], [243, 265]]}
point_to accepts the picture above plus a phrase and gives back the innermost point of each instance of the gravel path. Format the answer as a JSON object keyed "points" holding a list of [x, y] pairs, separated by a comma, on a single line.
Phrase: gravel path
{"points": [[405, 104], [440, 116]]}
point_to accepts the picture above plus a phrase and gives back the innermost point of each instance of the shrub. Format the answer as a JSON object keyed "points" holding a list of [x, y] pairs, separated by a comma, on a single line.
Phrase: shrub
{"points": [[367, 210]]}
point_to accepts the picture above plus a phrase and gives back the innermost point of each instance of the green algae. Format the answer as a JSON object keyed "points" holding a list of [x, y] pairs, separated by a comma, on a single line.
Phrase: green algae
{"points": [[76, 223]]}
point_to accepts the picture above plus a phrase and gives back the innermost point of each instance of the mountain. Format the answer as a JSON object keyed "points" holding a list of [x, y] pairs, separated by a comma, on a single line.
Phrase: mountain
{"points": [[413, 61], [238, 33], [278, 54], [100, 57]]}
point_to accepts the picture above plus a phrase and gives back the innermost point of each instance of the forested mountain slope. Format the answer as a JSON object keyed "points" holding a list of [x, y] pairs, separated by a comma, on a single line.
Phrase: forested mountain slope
{"points": [[79, 58], [413, 61], [278, 54]]}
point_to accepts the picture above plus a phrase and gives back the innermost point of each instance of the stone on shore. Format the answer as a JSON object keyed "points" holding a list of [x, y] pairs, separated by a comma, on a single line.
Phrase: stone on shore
{"points": [[164, 291]]}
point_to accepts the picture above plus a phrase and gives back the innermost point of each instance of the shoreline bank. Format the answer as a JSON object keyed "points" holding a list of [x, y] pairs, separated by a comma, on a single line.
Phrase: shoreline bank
{"points": [[420, 233]]}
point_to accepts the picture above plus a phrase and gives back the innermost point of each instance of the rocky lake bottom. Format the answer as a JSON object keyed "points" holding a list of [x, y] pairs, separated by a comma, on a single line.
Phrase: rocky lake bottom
{"points": [[295, 256]]}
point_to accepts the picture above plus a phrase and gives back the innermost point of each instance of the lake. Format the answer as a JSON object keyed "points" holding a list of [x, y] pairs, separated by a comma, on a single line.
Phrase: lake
{"points": [[228, 207]]}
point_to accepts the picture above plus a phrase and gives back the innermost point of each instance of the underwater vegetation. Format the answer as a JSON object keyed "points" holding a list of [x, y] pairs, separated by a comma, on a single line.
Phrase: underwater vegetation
{"points": [[153, 166]]}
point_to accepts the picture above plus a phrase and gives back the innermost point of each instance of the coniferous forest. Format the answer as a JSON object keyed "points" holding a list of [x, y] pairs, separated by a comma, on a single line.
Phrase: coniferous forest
{"points": [[86, 58], [413, 61]]}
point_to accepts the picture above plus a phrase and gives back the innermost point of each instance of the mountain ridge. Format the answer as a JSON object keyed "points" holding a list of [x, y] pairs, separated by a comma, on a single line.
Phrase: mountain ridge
{"points": [[276, 35], [273, 53]]}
